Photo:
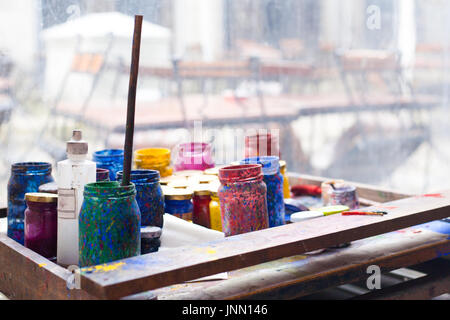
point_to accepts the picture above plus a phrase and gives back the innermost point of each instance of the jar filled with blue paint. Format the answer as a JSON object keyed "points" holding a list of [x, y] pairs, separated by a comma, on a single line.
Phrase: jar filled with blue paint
{"points": [[109, 223], [111, 159], [274, 183], [149, 195], [178, 202], [25, 177]]}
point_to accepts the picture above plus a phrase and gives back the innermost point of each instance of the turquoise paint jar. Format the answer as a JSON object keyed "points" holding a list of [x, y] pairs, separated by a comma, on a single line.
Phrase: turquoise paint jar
{"points": [[111, 159], [109, 223]]}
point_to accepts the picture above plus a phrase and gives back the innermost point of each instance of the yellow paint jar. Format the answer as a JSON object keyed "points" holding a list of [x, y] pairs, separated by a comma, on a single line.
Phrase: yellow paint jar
{"points": [[286, 187], [214, 211], [155, 159]]}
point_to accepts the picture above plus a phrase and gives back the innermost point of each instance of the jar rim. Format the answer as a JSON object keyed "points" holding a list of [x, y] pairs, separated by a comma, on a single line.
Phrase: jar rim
{"points": [[108, 189], [149, 174], [240, 173], [106, 153], [26, 167]]}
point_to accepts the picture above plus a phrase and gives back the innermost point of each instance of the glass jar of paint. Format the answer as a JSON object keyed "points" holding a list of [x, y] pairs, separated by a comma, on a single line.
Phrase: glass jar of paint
{"points": [[262, 144], [154, 159], [286, 187], [214, 211], [109, 223], [178, 202], [326, 188], [111, 159], [243, 199], [41, 218], [102, 174], [193, 156], [344, 195], [149, 196], [150, 239], [200, 201], [25, 177], [274, 183]]}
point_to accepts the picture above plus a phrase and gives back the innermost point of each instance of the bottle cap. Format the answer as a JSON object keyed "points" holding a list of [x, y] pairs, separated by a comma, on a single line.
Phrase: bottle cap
{"points": [[150, 232], [76, 145], [41, 197]]}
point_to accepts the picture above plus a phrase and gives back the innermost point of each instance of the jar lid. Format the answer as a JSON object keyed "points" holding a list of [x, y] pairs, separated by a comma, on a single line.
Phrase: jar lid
{"points": [[212, 171], [202, 179], [41, 197], [150, 232], [213, 189], [179, 184], [270, 164], [177, 193], [203, 189], [282, 164], [51, 187], [166, 180], [188, 173]]}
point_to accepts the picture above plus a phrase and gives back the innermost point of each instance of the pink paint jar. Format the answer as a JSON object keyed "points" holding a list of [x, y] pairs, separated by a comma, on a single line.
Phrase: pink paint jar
{"points": [[243, 199], [193, 156], [41, 223], [259, 145]]}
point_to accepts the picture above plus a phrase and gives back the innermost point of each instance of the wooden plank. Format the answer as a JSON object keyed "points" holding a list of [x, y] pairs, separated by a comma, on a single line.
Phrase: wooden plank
{"points": [[25, 274], [155, 270], [427, 287], [297, 276]]}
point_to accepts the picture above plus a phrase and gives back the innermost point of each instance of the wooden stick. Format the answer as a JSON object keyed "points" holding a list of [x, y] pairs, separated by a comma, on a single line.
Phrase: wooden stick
{"points": [[128, 148]]}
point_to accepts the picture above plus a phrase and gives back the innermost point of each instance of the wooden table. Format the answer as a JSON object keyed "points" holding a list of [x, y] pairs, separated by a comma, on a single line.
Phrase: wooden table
{"points": [[267, 264]]}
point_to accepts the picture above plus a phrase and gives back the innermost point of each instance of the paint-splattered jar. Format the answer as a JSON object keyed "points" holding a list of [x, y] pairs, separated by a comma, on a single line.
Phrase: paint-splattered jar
{"points": [[262, 144], [41, 218], [200, 201], [214, 211], [286, 187], [243, 199], [149, 196], [193, 156], [326, 188], [102, 174], [154, 159], [111, 159], [274, 183], [25, 177], [344, 195], [178, 202], [109, 223], [150, 239]]}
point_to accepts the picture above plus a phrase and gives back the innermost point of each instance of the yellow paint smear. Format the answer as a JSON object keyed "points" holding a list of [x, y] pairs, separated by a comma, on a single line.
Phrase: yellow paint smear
{"points": [[42, 265], [105, 268]]}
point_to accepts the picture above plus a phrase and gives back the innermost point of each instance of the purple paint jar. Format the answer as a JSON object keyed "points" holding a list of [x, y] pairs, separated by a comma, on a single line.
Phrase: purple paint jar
{"points": [[102, 174], [243, 199], [41, 218], [193, 156]]}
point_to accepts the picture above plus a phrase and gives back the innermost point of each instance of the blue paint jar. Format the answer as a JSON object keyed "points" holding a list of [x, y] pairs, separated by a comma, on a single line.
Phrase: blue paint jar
{"points": [[274, 183], [25, 177], [149, 195], [178, 202], [111, 159]]}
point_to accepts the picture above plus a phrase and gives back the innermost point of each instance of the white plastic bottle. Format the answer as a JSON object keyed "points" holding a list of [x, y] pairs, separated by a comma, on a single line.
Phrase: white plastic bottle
{"points": [[73, 174]]}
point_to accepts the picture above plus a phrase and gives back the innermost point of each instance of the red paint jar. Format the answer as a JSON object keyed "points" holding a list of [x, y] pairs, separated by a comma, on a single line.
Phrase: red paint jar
{"points": [[201, 200], [41, 223], [259, 145], [243, 199]]}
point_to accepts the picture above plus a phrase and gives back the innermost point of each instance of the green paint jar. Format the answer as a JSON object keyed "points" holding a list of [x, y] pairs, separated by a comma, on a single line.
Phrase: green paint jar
{"points": [[109, 223]]}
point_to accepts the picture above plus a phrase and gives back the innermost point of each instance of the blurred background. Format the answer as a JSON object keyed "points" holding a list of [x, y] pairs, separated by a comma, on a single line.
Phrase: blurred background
{"points": [[358, 89]]}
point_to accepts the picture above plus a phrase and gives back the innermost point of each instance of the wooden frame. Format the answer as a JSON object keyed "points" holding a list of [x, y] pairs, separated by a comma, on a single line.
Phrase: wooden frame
{"points": [[27, 275]]}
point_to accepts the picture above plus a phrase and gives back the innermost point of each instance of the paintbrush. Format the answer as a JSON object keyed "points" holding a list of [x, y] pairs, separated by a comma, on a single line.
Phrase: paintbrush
{"points": [[128, 148], [364, 213]]}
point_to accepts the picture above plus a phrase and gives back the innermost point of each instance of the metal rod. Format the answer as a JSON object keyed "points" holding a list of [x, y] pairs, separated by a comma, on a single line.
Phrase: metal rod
{"points": [[128, 148]]}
